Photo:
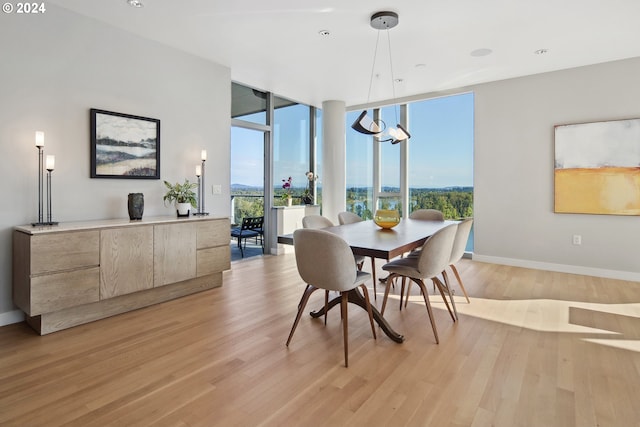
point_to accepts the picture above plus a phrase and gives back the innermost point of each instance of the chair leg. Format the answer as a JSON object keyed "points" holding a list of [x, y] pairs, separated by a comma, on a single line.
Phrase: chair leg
{"points": [[455, 272], [425, 294], [402, 288], [368, 301], [441, 288], [390, 278], [345, 327], [447, 286], [240, 246], [301, 305], [326, 306], [373, 273]]}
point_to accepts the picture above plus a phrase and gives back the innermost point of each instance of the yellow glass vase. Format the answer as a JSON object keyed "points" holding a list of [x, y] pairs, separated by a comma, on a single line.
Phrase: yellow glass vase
{"points": [[386, 218]]}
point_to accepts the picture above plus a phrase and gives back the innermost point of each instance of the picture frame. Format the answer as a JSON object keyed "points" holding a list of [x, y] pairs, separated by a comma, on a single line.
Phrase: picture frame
{"points": [[597, 167], [124, 146]]}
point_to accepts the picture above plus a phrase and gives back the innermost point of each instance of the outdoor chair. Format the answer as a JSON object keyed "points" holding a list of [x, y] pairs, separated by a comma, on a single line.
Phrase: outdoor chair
{"points": [[251, 228]]}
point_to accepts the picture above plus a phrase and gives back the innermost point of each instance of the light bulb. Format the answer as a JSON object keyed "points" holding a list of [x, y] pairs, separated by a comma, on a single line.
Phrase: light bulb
{"points": [[51, 162], [39, 139]]}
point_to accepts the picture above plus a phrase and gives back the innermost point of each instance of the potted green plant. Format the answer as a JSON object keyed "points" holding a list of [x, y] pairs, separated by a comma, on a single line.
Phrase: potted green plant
{"points": [[182, 195]]}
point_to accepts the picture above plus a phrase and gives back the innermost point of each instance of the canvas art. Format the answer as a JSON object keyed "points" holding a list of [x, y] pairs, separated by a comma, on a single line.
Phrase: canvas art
{"points": [[124, 146], [597, 168]]}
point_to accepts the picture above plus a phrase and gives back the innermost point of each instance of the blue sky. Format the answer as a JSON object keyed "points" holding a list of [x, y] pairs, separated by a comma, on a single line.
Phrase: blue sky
{"points": [[440, 148]]}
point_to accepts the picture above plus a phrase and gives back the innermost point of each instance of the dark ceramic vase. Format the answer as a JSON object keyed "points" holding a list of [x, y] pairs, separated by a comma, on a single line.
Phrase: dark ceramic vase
{"points": [[135, 205]]}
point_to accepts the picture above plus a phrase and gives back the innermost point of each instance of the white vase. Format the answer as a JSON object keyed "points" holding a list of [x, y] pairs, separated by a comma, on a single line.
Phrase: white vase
{"points": [[183, 208], [289, 201]]}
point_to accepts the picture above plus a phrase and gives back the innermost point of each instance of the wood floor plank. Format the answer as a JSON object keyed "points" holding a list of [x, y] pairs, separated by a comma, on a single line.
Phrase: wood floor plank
{"points": [[533, 348]]}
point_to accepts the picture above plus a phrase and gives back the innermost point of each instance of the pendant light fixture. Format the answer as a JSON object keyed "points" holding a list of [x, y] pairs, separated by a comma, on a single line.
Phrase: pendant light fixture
{"points": [[365, 124]]}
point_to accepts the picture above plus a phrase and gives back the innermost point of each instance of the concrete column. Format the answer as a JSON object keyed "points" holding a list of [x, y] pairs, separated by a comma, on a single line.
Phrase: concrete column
{"points": [[334, 154]]}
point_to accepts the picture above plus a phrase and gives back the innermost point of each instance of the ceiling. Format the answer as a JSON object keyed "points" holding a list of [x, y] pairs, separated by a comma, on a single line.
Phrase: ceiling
{"points": [[275, 45]]}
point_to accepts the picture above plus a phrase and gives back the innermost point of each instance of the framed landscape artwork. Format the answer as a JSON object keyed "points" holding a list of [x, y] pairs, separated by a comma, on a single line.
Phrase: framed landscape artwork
{"points": [[597, 168], [124, 146]]}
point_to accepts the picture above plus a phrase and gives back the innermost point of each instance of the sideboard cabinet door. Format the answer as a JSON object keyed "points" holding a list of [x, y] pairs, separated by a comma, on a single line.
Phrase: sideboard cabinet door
{"points": [[126, 260], [174, 253]]}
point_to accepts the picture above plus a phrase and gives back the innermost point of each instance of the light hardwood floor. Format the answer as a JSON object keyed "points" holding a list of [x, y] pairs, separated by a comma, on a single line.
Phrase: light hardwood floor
{"points": [[533, 348]]}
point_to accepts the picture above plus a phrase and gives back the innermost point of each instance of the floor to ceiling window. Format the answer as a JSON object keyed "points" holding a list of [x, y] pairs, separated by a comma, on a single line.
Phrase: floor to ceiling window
{"points": [[439, 165], [389, 196], [291, 148], [441, 155], [359, 159], [272, 139], [249, 137], [247, 173], [440, 160]]}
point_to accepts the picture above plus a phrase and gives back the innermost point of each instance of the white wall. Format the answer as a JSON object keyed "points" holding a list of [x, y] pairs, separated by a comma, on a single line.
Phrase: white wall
{"points": [[513, 171], [55, 67]]}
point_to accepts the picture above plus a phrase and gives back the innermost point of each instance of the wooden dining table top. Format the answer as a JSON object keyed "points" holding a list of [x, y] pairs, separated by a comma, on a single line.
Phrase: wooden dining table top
{"points": [[366, 238]]}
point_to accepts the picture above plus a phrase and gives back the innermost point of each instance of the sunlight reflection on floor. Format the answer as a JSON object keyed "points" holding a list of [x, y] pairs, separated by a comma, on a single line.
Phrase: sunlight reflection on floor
{"points": [[545, 315]]}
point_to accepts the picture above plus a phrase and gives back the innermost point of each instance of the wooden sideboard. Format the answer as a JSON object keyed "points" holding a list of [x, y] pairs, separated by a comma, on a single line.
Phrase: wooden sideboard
{"points": [[78, 272]]}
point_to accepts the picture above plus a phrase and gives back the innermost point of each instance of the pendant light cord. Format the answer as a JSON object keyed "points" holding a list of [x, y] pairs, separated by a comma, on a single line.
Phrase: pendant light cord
{"points": [[375, 54], [393, 83]]}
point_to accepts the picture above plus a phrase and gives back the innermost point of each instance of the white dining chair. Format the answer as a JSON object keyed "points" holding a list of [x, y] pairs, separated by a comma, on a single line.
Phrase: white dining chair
{"points": [[427, 215], [426, 264], [319, 222], [423, 215], [325, 261], [459, 246], [351, 218], [316, 221]]}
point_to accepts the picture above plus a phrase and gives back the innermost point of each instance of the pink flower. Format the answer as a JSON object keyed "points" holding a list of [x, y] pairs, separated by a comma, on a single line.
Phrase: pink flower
{"points": [[287, 186], [287, 183]]}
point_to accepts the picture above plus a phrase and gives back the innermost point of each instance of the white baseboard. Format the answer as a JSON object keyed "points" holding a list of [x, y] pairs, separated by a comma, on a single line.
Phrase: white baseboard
{"points": [[9, 317], [282, 249], [561, 268]]}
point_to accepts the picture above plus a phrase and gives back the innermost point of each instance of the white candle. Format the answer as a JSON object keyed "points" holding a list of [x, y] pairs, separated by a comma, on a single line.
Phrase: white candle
{"points": [[198, 170], [39, 139], [51, 162], [204, 154]]}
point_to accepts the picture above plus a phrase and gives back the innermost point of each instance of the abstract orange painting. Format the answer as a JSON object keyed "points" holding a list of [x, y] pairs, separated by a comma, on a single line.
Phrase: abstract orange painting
{"points": [[597, 168]]}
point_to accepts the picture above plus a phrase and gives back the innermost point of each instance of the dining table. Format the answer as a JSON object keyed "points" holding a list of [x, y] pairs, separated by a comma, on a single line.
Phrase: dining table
{"points": [[368, 239]]}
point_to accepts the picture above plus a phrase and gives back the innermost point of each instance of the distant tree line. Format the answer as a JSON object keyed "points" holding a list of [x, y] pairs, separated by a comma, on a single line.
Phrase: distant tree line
{"points": [[454, 203]]}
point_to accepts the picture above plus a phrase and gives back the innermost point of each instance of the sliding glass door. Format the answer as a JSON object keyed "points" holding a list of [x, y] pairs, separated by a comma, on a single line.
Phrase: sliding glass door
{"points": [[247, 173]]}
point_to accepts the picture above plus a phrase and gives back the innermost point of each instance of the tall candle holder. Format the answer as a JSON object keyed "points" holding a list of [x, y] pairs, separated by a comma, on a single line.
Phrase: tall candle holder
{"points": [[198, 174], [40, 145], [50, 167], [201, 188]]}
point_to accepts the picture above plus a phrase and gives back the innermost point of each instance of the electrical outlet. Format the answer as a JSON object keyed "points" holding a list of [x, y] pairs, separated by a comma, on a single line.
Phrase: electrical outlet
{"points": [[577, 239]]}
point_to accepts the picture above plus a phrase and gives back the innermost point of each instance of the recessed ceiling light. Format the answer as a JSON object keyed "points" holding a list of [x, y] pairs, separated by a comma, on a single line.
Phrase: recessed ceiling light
{"points": [[540, 51], [324, 32], [421, 65], [481, 52], [135, 3]]}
